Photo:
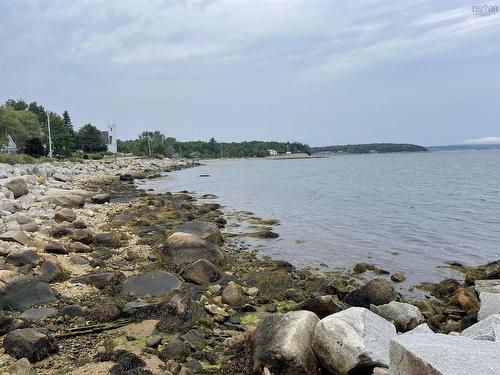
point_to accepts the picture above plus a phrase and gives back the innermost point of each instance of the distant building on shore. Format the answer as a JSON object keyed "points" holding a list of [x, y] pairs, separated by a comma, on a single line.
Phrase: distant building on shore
{"points": [[272, 152], [9, 146], [109, 138]]}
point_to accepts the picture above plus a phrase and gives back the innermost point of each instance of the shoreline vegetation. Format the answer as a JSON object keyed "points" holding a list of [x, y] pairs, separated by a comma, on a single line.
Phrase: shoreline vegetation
{"points": [[98, 276]]}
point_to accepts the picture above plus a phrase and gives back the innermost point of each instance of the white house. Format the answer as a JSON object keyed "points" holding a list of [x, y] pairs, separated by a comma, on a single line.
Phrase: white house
{"points": [[272, 152], [10, 145]]}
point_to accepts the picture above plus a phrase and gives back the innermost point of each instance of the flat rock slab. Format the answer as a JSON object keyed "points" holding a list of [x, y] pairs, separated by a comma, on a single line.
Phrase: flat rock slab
{"points": [[491, 286], [155, 283], [25, 293], [37, 314], [16, 236], [99, 280], [424, 354], [29, 343]]}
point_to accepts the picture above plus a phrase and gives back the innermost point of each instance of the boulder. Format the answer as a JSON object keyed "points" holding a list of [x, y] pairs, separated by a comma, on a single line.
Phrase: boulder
{"points": [[422, 354], [38, 314], [202, 229], [23, 257], [68, 201], [21, 292], [21, 367], [55, 247], [65, 214], [99, 280], [375, 292], [281, 344], [295, 294], [82, 235], [353, 340], [48, 272], [73, 310], [490, 304], [18, 187], [232, 295], [322, 306], [30, 344], [486, 329], [79, 247], [100, 198], [404, 316], [184, 248], [104, 239], [16, 236], [201, 272], [155, 283], [61, 177]]}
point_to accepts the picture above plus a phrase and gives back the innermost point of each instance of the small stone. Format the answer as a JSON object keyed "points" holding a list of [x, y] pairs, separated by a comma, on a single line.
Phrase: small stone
{"points": [[214, 289], [65, 214], [101, 198], [398, 277], [295, 295], [55, 247], [79, 247], [216, 310], [153, 341], [253, 291]]}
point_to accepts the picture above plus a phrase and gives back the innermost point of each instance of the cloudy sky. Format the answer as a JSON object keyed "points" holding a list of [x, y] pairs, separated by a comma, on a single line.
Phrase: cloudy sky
{"points": [[321, 72]]}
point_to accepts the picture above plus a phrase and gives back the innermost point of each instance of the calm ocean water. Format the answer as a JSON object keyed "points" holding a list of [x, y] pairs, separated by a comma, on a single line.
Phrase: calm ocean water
{"points": [[402, 212]]}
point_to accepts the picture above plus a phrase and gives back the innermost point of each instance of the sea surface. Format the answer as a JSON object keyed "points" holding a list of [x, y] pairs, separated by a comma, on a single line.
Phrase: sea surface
{"points": [[402, 212]]}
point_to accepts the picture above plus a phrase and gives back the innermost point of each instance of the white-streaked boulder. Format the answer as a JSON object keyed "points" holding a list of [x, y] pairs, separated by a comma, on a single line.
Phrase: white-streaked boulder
{"points": [[486, 329], [490, 304], [353, 339]]}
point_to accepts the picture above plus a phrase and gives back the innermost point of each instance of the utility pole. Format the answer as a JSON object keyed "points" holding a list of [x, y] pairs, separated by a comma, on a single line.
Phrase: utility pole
{"points": [[50, 135], [180, 149], [149, 145]]}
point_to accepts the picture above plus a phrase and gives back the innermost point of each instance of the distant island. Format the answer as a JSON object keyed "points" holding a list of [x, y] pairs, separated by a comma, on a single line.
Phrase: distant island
{"points": [[469, 147], [369, 148]]}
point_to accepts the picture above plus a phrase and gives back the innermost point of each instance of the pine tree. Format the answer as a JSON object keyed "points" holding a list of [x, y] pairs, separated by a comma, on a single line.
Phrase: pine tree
{"points": [[67, 122]]}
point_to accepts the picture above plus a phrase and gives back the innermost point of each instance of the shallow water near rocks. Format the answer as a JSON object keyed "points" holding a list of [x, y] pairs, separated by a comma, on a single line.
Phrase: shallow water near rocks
{"points": [[402, 212]]}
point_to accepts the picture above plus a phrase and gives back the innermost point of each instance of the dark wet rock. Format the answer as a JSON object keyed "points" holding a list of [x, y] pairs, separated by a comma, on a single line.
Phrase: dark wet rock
{"points": [[30, 344], [202, 229], [38, 314], [100, 198], [55, 247], [75, 259], [353, 341], [102, 253], [99, 280], [79, 224], [155, 283], [79, 247], [398, 277], [183, 248], [232, 294], [74, 310], [60, 231], [444, 289], [201, 272], [22, 292], [153, 341], [488, 271], [375, 292], [122, 218], [16, 236], [322, 306], [195, 338], [295, 295], [104, 239], [175, 350], [363, 267], [105, 311], [48, 272], [68, 201], [65, 214], [18, 186], [22, 257], [126, 177], [282, 343], [94, 263], [180, 314], [82, 235]]}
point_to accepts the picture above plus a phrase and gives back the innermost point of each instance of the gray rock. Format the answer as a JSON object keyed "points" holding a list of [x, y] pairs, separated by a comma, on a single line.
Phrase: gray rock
{"points": [[23, 219], [492, 286], [295, 295], [153, 341], [22, 257], [353, 339], [68, 201], [184, 248], [201, 272], [422, 328], [79, 247], [136, 306], [155, 283], [404, 316], [30, 344], [16, 236], [61, 177], [422, 354], [73, 310], [100, 198], [282, 344], [65, 214], [48, 272], [75, 259], [38, 314], [104, 239], [82, 235], [202, 229], [55, 247], [22, 292], [21, 367], [375, 292], [486, 329], [121, 218], [99, 280], [490, 305], [18, 186], [322, 306], [232, 295], [30, 227]]}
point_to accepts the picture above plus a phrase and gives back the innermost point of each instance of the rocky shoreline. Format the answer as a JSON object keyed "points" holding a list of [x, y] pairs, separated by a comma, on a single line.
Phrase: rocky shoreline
{"points": [[98, 277]]}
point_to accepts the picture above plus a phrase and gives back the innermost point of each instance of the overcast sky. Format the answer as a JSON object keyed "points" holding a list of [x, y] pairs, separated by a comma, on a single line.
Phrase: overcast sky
{"points": [[320, 72]]}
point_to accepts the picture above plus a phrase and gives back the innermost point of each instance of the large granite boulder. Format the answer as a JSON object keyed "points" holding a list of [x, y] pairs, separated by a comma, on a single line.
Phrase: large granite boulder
{"points": [[404, 316], [490, 304], [486, 329], [281, 344], [155, 283], [30, 344], [375, 292], [424, 354], [201, 272], [18, 186], [21, 291], [202, 229], [353, 340], [184, 248], [322, 306]]}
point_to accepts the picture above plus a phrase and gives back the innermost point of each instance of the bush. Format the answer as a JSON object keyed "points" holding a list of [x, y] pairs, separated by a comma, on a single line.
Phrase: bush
{"points": [[34, 147], [11, 159]]}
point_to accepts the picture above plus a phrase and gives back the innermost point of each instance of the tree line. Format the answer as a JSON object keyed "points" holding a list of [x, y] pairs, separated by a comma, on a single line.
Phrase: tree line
{"points": [[27, 125], [155, 143], [371, 148]]}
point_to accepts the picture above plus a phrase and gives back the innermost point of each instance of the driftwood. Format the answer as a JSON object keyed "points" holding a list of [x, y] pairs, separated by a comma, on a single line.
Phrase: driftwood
{"points": [[90, 329]]}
